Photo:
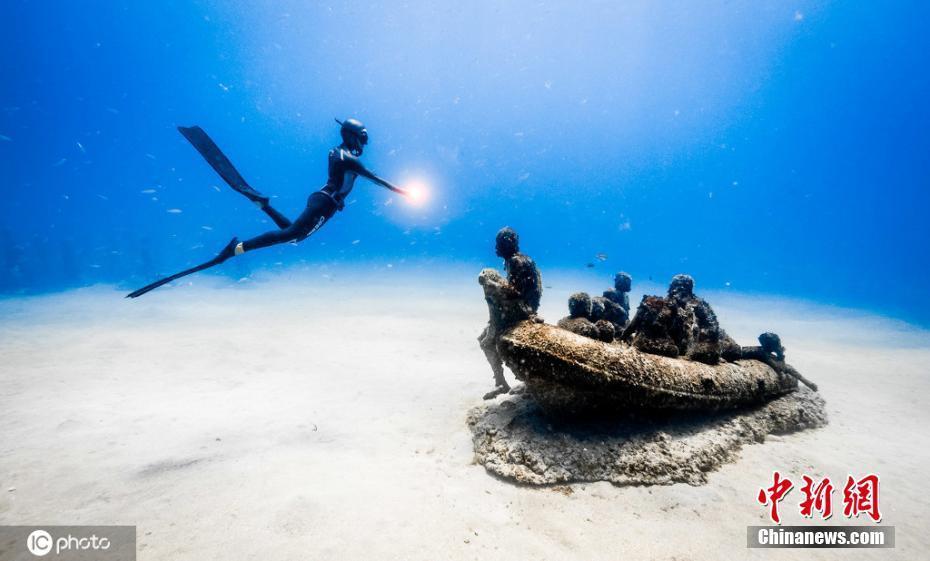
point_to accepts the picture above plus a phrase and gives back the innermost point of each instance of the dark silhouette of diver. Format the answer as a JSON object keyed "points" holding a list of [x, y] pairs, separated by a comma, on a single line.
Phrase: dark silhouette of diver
{"points": [[344, 168]]}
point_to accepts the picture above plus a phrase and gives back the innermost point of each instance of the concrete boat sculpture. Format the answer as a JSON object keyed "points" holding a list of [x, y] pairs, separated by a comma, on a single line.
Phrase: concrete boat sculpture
{"points": [[568, 374], [673, 355]]}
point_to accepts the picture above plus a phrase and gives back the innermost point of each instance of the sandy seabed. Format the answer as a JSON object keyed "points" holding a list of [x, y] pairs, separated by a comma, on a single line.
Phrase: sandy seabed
{"points": [[309, 416]]}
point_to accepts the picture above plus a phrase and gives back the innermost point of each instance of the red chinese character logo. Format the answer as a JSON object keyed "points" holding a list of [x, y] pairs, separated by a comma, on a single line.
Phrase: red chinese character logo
{"points": [[819, 497], [861, 497], [775, 493]]}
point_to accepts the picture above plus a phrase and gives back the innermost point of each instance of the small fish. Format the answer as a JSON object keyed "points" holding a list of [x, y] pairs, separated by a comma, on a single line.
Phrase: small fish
{"points": [[147, 191], [59, 162], [218, 190], [103, 197], [150, 156], [5, 138], [207, 228], [112, 110], [356, 242], [601, 256], [81, 147], [174, 211], [590, 265]]}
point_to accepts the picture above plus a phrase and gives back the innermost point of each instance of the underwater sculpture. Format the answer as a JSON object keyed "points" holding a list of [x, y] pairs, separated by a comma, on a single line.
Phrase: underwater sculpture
{"points": [[586, 317], [673, 355], [620, 293], [671, 399], [681, 324], [510, 301], [617, 302], [579, 313]]}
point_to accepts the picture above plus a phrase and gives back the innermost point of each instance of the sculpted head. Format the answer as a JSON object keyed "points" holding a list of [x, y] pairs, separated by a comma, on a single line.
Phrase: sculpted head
{"points": [[507, 243]]}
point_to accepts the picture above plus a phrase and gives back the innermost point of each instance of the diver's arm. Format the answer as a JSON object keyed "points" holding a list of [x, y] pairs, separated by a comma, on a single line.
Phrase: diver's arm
{"points": [[384, 183], [360, 169]]}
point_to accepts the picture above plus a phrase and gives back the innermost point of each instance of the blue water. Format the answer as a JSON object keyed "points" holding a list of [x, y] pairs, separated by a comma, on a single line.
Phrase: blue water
{"points": [[768, 147]]}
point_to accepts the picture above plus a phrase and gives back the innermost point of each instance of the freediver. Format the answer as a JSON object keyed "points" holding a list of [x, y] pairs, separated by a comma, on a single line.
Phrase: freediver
{"points": [[344, 168]]}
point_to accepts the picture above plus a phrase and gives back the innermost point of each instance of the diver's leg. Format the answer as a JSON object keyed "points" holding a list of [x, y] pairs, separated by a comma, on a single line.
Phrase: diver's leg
{"points": [[278, 218], [318, 211], [221, 164], [274, 237]]}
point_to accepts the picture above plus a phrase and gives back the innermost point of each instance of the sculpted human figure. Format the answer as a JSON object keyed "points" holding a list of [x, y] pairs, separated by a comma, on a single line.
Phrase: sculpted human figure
{"points": [[681, 324], [578, 319], [771, 352], [509, 300], [620, 293]]}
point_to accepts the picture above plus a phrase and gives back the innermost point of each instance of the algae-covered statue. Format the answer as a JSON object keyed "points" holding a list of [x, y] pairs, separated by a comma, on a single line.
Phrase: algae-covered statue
{"points": [[681, 324], [510, 301], [588, 317], [673, 355], [619, 295], [578, 319], [669, 399]]}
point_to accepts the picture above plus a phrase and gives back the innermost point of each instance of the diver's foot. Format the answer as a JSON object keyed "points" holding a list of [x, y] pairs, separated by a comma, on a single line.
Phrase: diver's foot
{"points": [[497, 391], [228, 251]]}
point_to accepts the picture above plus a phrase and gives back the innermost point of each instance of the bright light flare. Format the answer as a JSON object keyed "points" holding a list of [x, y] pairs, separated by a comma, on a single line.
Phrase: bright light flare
{"points": [[417, 192]]}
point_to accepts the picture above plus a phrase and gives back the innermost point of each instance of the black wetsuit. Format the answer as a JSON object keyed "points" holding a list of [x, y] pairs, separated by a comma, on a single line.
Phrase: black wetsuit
{"points": [[344, 169]]}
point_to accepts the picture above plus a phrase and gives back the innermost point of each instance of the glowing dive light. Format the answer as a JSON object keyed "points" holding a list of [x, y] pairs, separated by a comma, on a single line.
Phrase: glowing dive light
{"points": [[417, 192]]}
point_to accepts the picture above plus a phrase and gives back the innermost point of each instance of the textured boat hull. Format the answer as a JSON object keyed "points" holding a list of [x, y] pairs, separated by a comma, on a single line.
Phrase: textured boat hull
{"points": [[568, 374]]}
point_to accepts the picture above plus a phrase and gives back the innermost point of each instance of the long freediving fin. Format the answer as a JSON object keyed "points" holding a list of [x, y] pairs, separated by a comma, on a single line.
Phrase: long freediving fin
{"points": [[223, 255], [220, 163]]}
